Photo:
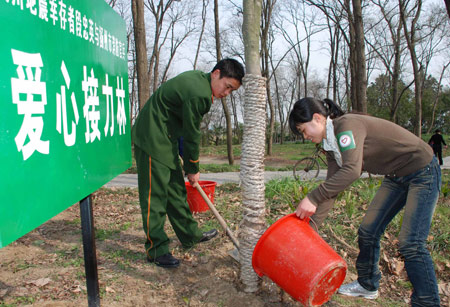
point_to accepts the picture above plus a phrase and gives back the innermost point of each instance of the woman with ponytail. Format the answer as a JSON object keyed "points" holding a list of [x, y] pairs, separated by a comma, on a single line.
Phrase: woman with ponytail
{"points": [[355, 143]]}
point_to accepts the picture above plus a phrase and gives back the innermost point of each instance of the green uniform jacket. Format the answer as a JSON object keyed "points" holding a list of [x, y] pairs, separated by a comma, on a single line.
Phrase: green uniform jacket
{"points": [[175, 109]]}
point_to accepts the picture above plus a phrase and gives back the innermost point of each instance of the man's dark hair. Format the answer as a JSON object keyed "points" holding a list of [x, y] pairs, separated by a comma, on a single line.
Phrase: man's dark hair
{"points": [[230, 68]]}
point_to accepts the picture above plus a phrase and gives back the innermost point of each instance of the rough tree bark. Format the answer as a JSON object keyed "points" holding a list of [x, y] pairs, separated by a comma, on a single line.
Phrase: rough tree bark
{"points": [[252, 162], [141, 52], [360, 57]]}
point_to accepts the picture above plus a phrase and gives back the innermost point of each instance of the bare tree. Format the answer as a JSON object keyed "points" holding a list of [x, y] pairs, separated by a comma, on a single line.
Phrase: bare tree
{"points": [[252, 162], [266, 17], [387, 42], [413, 13], [433, 35], [335, 35], [353, 35], [158, 10], [183, 15], [436, 98], [204, 11], [229, 127], [358, 86], [141, 52], [298, 28]]}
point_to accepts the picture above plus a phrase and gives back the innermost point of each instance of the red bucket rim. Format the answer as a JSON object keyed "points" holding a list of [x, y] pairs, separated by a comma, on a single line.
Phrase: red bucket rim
{"points": [[265, 234], [202, 183]]}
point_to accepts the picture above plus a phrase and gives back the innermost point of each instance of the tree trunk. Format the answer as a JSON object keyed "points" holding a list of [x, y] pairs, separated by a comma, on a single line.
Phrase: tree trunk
{"points": [[352, 55], [436, 99], [447, 5], [360, 59], [266, 18], [223, 100], [158, 12], [141, 52], [205, 5], [396, 75], [411, 41], [252, 162]]}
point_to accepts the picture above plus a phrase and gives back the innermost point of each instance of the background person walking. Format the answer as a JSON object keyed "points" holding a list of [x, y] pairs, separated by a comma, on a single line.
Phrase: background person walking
{"points": [[436, 142]]}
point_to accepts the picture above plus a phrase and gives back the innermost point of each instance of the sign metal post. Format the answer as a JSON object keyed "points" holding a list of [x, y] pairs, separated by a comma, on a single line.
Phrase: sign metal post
{"points": [[90, 252]]}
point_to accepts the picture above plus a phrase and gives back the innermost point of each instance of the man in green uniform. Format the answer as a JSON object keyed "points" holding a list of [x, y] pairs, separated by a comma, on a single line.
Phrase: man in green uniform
{"points": [[175, 110]]}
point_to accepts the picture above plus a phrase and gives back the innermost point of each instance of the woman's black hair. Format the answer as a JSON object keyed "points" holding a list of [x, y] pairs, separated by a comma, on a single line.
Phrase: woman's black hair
{"points": [[304, 109]]}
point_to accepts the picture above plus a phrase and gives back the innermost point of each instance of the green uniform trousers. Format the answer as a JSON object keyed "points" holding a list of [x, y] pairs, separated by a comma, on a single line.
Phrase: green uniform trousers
{"points": [[162, 192]]}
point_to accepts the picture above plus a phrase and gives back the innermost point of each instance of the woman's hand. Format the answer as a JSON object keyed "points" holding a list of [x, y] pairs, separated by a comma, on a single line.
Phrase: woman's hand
{"points": [[305, 208]]}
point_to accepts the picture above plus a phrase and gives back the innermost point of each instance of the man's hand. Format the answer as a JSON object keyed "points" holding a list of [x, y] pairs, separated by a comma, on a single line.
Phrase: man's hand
{"points": [[305, 208], [193, 178]]}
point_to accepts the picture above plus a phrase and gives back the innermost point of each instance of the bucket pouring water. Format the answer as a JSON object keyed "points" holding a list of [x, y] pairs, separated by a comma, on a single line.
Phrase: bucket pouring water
{"points": [[195, 200], [298, 260]]}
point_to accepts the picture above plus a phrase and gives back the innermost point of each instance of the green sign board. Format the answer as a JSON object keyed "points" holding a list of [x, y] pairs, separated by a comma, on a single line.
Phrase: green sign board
{"points": [[64, 120]]}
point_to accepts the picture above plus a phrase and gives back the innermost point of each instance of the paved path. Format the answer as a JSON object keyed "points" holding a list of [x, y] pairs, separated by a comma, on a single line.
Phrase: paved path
{"points": [[130, 180]]}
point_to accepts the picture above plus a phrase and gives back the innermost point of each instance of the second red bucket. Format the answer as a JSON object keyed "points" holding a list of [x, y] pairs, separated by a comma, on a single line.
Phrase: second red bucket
{"points": [[298, 260], [195, 200]]}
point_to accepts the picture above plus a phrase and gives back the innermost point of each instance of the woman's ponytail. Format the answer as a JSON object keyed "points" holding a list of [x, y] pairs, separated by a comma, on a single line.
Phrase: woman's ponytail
{"points": [[333, 109], [304, 109]]}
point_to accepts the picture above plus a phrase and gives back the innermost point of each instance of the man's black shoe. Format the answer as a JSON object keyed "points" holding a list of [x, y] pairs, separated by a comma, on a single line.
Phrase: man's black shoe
{"points": [[166, 261], [208, 235]]}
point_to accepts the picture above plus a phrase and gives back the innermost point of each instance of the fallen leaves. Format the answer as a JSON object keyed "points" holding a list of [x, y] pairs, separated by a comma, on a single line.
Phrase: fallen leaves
{"points": [[395, 265], [444, 289], [41, 282]]}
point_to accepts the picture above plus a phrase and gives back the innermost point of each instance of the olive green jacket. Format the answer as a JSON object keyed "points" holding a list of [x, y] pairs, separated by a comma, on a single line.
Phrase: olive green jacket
{"points": [[175, 109]]}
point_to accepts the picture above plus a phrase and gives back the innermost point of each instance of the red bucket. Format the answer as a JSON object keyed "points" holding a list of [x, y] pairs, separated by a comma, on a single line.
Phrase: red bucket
{"points": [[195, 200], [298, 260]]}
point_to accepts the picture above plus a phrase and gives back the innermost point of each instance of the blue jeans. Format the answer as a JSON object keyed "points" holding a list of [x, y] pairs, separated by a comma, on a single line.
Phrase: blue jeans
{"points": [[417, 193]]}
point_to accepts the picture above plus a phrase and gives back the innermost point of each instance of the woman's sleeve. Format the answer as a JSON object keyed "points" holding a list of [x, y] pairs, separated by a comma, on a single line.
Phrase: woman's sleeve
{"points": [[324, 207]]}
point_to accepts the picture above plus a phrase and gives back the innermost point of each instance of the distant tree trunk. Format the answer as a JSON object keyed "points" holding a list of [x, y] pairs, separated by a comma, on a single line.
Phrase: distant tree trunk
{"points": [[252, 162], [358, 84], [141, 52], [395, 99], [266, 18], [237, 133], [447, 4], [333, 43], [410, 35], [360, 57], [223, 100], [436, 99], [205, 5], [159, 10], [279, 106]]}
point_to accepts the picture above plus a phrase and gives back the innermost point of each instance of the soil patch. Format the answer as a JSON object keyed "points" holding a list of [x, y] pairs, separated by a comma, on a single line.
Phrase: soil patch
{"points": [[46, 266]]}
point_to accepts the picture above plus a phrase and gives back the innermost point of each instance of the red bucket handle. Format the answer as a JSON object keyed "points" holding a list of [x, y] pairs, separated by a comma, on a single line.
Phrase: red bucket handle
{"points": [[307, 220]]}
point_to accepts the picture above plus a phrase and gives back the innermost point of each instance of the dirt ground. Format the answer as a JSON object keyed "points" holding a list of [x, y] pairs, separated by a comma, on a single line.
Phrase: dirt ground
{"points": [[46, 266]]}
